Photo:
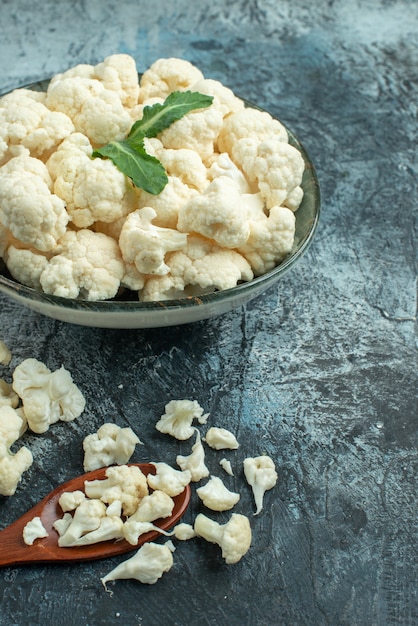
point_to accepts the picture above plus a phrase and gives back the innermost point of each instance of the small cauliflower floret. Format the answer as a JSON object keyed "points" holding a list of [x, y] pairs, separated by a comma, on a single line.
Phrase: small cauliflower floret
{"points": [[26, 266], [12, 466], [125, 483], [70, 500], [8, 397], [249, 123], [61, 524], [33, 530], [132, 530], [110, 527], [219, 214], [168, 479], [147, 565], [28, 208], [167, 75], [216, 496], [26, 121], [202, 267], [168, 202], [5, 354], [261, 475], [146, 245], [185, 165], [197, 130], [221, 439], [222, 165], [156, 505], [224, 98], [118, 73], [234, 537], [47, 396], [194, 462], [109, 445], [276, 167], [178, 418], [184, 531], [89, 265], [271, 239], [92, 189], [87, 517], [226, 465]]}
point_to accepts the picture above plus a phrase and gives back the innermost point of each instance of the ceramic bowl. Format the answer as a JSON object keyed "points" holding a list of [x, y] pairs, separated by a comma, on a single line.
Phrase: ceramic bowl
{"points": [[127, 312]]}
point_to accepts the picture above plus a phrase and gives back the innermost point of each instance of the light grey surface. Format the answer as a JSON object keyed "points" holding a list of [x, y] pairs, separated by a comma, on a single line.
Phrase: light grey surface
{"points": [[321, 372]]}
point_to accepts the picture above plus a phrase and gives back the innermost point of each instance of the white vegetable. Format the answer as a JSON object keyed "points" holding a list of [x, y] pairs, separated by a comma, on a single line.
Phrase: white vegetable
{"points": [[133, 529], [5, 354], [168, 479], [70, 500], [167, 75], [110, 445], [12, 466], [8, 397], [146, 566], [153, 506], [47, 396], [194, 462], [184, 532], [261, 475], [178, 417], [216, 496], [87, 517], [125, 483], [234, 537], [226, 465], [61, 524], [110, 527], [221, 439], [33, 530]]}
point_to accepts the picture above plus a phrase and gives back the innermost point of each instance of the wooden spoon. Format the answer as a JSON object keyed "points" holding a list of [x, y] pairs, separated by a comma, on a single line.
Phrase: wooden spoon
{"points": [[14, 551]]}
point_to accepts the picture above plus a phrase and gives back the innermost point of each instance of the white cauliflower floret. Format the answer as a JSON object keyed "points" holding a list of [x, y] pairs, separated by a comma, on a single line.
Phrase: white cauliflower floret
{"points": [[249, 123], [222, 165], [145, 245], [156, 505], [271, 239], [12, 466], [5, 354], [147, 565], [47, 396], [89, 265], [218, 214], [94, 98], [110, 444], [216, 496], [186, 165], [184, 531], [202, 267], [87, 517], [8, 397], [125, 483], [276, 167], [167, 75], [28, 208], [194, 462], [70, 500], [168, 202], [168, 479], [233, 537], [226, 465], [221, 439], [178, 417], [34, 529], [261, 475], [26, 121], [224, 98], [25, 265], [92, 189]]}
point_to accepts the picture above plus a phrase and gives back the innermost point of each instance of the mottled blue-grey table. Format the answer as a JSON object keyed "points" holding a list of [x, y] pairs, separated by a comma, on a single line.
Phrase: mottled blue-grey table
{"points": [[320, 372]]}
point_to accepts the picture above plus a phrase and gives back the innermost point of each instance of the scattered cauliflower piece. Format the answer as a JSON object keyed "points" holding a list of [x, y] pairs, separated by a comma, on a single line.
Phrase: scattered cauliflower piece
{"points": [[216, 496], [33, 530], [226, 465], [168, 479], [184, 532], [145, 245], [133, 529], [5, 354], [110, 445], [178, 417], [89, 265], [261, 475], [47, 396], [125, 483], [194, 462], [167, 75], [221, 439], [147, 565], [234, 537], [12, 466]]}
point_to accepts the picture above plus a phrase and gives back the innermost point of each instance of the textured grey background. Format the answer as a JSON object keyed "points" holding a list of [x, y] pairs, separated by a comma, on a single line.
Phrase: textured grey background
{"points": [[321, 372]]}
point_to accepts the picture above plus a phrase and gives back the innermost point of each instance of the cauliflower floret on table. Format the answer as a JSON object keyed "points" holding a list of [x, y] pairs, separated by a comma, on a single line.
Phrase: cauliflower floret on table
{"points": [[167, 75], [89, 264], [47, 396], [93, 189], [12, 466], [178, 418], [195, 461], [202, 267], [168, 479], [147, 565], [234, 537], [216, 496], [26, 121], [249, 123], [261, 475], [145, 245], [28, 207]]}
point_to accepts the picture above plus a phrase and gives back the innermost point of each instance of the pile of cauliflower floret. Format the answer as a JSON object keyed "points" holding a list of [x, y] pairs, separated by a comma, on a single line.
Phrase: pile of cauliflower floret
{"points": [[75, 226]]}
